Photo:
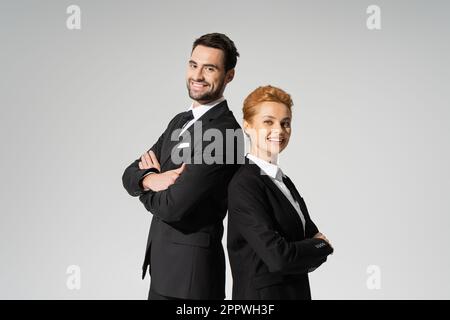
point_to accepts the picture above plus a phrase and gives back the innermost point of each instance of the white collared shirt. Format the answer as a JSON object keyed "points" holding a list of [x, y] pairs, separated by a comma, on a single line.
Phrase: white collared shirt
{"points": [[275, 173], [200, 110]]}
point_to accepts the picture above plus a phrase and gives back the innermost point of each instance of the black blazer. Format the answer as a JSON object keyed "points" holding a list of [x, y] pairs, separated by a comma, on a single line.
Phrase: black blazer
{"points": [[269, 255], [184, 250]]}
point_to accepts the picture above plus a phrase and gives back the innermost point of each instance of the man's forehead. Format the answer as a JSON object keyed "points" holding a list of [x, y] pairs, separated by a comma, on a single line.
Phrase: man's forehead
{"points": [[207, 55]]}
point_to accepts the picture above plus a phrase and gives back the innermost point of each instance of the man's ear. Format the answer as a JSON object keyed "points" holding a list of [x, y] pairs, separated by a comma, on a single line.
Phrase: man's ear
{"points": [[229, 76]]}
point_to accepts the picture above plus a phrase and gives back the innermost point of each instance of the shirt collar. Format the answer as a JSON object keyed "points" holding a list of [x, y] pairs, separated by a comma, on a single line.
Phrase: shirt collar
{"points": [[272, 170], [203, 108]]}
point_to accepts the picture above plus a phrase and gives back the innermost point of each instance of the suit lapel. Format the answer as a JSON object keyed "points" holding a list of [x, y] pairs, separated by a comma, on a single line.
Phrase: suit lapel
{"points": [[300, 201], [296, 195], [205, 119], [169, 144], [291, 212]]}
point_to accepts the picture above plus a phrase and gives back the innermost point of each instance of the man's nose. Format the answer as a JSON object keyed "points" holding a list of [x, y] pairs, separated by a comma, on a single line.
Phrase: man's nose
{"points": [[198, 74]]}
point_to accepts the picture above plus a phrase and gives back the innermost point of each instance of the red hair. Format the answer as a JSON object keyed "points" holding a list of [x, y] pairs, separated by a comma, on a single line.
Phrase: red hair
{"points": [[263, 94]]}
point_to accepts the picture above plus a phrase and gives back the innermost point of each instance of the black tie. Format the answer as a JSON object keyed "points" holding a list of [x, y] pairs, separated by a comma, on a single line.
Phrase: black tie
{"points": [[290, 186], [294, 193], [186, 117]]}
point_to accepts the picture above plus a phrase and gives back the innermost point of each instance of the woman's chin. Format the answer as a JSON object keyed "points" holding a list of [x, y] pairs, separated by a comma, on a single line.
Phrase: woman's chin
{"points": [[275, 150]]}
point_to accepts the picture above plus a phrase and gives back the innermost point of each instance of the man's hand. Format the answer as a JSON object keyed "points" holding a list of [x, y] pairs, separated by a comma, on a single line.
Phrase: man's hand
{"points": [[161, 181], [320, 235], [149, 160]]}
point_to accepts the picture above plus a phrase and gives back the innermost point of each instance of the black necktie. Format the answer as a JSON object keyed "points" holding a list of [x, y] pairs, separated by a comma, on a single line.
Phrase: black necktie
{"points": [[290, 186], [288, 183], [186, 117]]}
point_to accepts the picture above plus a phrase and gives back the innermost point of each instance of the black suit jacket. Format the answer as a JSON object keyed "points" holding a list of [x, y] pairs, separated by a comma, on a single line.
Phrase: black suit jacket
{"points": [[184, 250], [268, 252]]}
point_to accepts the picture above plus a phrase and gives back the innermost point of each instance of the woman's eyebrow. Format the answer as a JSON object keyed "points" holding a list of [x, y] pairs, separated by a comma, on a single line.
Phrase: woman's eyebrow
{"points": [[272, 117]]}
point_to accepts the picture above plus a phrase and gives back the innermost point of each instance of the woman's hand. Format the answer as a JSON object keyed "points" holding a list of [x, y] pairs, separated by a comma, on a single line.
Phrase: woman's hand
{"points": [[320, 235]]}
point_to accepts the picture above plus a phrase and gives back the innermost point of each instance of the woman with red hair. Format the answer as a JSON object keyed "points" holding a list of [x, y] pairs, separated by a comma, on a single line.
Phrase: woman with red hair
{"points": [[272, 241]]}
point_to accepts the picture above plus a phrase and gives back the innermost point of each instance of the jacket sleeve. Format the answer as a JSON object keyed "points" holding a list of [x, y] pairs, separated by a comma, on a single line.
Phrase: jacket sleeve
{"points": [[195, 183], [132, 177], [308, 265], [250, 215]]}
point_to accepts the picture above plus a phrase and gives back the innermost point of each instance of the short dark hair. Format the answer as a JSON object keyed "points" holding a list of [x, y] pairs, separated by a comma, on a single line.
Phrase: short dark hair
{"points": [[222, 42]]}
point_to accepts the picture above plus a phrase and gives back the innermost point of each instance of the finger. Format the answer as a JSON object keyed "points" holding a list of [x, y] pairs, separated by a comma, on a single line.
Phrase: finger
{"points": [[154, 160], [140, 165], [174, 176], [170, 179], [148, 159], [180, 169], [144, 162], [170, 175]]}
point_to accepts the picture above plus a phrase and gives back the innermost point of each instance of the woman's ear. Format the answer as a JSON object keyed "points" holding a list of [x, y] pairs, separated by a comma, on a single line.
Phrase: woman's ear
{"points": [[246, 127]]}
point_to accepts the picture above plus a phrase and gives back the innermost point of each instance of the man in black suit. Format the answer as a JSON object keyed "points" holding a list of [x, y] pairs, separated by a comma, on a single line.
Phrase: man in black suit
{"points": [[189, 200]]}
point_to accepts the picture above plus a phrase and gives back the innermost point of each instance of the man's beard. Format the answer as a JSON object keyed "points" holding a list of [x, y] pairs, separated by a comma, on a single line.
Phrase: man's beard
{"points": [[209, 95]]}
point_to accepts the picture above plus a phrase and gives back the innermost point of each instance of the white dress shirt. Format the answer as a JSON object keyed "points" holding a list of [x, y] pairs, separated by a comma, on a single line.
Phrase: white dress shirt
{"points": [[276, 175], [200, 110]]}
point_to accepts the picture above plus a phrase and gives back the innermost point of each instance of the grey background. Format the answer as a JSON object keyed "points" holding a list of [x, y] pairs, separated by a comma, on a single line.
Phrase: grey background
{"points": [[369, 151]]}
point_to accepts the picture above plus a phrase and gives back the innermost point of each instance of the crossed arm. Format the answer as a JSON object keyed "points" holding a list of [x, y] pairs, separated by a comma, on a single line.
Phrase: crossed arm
{"points": [[173, 194], [195, 183], [135, 172], [250, 215]]}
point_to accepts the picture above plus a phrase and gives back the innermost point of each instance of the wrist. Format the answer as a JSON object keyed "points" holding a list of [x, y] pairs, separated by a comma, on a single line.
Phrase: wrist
{"points": [[144, 182]]}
